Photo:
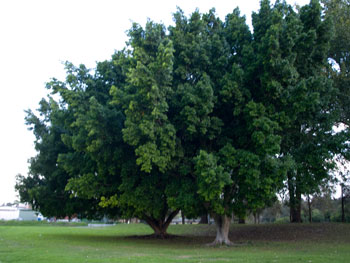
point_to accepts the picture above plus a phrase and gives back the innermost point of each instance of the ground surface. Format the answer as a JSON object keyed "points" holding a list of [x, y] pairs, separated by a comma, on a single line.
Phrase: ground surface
{"points": [[124, 243]]}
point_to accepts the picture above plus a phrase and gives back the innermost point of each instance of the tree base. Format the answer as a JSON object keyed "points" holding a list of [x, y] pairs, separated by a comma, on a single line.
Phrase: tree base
{"points": [[155, 236], [161, 236], [218, 243], [222, 223]]}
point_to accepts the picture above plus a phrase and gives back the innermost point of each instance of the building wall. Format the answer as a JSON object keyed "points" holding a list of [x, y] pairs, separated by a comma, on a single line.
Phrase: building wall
{"points": [[15, 213], [27, 215]]}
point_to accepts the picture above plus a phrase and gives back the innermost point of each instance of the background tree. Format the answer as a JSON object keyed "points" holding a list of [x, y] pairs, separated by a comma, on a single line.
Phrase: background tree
{"points": [[292, 48], [338, 11]]}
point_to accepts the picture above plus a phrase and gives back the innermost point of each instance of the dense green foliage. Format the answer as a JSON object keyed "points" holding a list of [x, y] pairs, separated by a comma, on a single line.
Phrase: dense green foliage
{"points": [[338, 11], [292, 53], [203, 117], [45, 187]]}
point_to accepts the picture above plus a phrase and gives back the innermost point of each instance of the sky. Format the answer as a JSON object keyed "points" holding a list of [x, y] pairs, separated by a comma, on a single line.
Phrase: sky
{"points": [[37, 36]]}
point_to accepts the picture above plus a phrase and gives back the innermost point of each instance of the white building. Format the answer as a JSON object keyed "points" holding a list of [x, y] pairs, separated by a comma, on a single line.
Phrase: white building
{"points": [[17, 213], [9, 213]]}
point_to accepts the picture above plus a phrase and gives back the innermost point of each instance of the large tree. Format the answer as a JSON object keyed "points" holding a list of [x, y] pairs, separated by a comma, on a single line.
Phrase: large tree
{"points": [[204, 117], [227, 139], [125, 134]]}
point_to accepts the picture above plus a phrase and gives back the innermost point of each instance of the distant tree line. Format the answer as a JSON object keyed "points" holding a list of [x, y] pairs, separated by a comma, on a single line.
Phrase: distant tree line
{"points": [[319, 208], [204, 116]]}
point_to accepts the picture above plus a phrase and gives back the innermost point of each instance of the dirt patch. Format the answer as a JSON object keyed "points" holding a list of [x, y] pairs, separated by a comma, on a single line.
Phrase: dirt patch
{"points": [[243, 235], [291, 232]]}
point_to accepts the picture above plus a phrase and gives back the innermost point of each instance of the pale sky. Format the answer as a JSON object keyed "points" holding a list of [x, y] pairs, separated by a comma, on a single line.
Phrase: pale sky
{"points": [[36, 36]]}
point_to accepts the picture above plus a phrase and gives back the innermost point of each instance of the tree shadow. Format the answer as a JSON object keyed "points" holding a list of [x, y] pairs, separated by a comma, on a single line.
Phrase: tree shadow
{"points": [[240, 235], [183, 240]]}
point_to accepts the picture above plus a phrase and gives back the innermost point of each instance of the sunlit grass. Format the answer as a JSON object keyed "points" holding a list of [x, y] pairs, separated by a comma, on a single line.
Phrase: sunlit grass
{"points": [[40, 223], [120, 243]]}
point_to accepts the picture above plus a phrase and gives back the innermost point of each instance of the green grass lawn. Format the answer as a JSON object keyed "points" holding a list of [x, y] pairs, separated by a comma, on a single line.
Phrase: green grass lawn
{"points": [[124, 243]]}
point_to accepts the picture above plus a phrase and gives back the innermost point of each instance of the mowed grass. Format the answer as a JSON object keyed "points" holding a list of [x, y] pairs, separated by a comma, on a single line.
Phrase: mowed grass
{"points": [[127, 243]]}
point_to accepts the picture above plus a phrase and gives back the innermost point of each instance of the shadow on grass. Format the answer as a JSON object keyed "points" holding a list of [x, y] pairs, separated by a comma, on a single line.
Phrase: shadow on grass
{"points": [[174, 240], [241, 235]]}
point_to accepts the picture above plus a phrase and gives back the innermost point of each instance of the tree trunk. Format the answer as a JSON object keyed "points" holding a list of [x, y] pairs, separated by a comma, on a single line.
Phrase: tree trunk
{"points": [[294, 202], [160, 226], [182, 217], [159, 231], [342, 205], [295, 211], [310, 210], [255, 218], [204, 219], [256, 215], [222, 223]]}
